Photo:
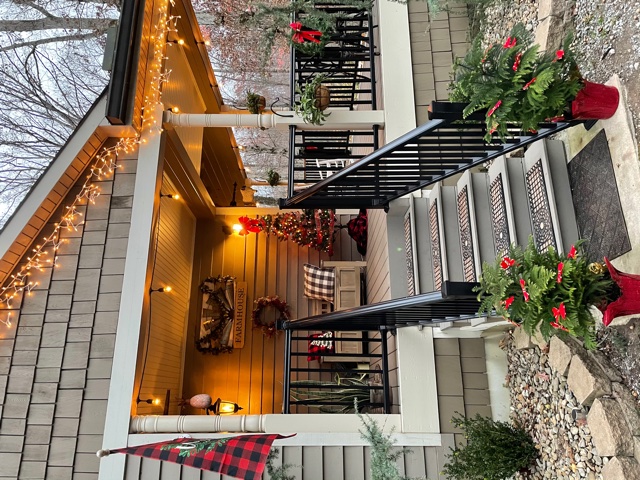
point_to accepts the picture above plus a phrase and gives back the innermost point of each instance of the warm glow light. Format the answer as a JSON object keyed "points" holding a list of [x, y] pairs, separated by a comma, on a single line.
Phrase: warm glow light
{"points": [[226, 407], [207, 42], [181, 42], [167, 289], [156, 401], [175, 109], [237, 227]]}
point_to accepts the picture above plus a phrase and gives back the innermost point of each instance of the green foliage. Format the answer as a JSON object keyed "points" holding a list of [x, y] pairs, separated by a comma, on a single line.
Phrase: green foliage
{"points": [[579, 288], [384, 461], [347, 390], [273, 177], [274, 21], [253, 102], [494, 450], [515, 83], [307, 105], [280, 472], [309, 228]]}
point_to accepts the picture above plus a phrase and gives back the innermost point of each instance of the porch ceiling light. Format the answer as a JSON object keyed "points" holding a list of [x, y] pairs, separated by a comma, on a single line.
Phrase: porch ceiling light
{"points": [[150, 401], [165, 289], [223, 407], [174, 196]]}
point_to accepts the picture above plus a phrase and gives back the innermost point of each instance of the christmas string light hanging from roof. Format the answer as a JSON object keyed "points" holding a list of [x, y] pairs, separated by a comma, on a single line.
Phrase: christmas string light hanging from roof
{"points": [[102, 168]]}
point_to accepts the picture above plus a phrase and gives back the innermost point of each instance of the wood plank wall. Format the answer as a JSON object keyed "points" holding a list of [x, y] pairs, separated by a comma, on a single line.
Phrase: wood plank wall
{"points": [[435, 41], [55, 362], [251, 376], [169, 310], [310, 463]]}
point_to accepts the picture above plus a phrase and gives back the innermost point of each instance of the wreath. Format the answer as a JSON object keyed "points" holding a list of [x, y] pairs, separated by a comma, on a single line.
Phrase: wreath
{"points": [[214, 335], [269, 327]]}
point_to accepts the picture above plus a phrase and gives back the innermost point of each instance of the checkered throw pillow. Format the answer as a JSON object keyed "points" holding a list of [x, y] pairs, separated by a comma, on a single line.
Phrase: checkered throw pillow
{"points": [[319, 282]]}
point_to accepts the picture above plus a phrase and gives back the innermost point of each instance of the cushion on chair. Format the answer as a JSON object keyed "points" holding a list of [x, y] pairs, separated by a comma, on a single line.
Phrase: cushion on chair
{"points": [[319, 283]]}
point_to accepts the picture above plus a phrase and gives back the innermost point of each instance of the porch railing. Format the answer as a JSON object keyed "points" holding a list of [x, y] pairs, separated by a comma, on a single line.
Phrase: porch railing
{"points": [[432, 152], [338, 378]]}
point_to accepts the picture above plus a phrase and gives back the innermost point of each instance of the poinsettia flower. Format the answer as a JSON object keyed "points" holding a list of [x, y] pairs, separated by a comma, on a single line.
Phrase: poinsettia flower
{"points": [[525, 294], [516, 63], [572, 252], [494, 108], [560, 268], [507, 262], [510, 42], [559, 312], [559, 54], [508, 301], [558, 326], [529, 83]]}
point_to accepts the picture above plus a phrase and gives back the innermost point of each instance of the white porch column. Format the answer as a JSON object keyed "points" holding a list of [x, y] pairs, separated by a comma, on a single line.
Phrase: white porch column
{"points": [[338, 120], [135, 292]]}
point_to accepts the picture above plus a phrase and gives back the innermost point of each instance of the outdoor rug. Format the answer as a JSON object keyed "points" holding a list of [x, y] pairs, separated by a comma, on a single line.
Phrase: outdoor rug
{"points": [[597, 202]]}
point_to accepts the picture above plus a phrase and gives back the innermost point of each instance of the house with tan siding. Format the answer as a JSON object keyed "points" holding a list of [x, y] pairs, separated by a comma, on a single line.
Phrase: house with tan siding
{"points": [[90, 331]]}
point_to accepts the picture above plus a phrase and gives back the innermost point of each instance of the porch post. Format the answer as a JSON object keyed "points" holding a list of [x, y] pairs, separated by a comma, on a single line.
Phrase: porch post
{"points": [[135, 294], [337, 120]]}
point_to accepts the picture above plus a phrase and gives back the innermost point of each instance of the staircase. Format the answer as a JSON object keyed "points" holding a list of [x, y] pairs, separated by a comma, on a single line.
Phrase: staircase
{"points": [[452, 228]]}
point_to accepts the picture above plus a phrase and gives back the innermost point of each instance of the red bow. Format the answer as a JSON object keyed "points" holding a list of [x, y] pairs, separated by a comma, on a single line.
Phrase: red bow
{"points": [[507, 262], [572, 252], [560, 268], [559, 312], [300, 36], [525, 294], [508, 302], [250, 225], [510, 42]]}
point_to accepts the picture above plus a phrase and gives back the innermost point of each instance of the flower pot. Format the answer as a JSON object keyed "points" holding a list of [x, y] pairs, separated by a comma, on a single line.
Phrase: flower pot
{"points": [[323, 97], [595, 101], [629, 301], [262, 103]]}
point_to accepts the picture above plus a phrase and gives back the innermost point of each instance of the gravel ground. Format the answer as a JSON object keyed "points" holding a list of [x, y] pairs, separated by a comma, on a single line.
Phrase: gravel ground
{"points": [[542, 403], [607, 38]]}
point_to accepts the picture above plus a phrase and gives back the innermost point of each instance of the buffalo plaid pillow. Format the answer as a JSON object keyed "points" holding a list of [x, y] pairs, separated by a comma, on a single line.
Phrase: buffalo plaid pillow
{"points": [[319, 282]]}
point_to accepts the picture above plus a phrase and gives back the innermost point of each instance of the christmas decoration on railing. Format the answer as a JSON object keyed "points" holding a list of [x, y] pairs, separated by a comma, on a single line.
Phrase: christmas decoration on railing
{"points": [[44, 254], [268, 325], [308, 228]]}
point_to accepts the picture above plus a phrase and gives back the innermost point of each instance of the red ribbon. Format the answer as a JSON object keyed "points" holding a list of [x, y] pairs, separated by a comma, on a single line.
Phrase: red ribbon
{"points": [[300, 36]]}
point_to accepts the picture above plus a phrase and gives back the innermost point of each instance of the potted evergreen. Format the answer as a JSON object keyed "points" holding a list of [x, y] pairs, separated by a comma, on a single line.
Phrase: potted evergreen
{"points": [[273, 177], [255, 103], [514, 82], [313, 99], [555, 292]]}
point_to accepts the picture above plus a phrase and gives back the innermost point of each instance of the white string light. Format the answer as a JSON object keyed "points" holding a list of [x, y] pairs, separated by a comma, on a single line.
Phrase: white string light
{"points": [[103, 167]]}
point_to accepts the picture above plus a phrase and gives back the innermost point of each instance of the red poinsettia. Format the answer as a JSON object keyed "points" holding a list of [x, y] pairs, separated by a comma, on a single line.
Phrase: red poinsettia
{"points": [[301, 36], [516, 62], [510, 42], [525, 294], [494, 108], [507, 262], [560, 268], [572, 252], [529, 83], [509, 301]]}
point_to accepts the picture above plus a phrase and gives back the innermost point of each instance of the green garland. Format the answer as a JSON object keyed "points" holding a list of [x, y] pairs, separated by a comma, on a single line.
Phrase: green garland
{"points": [[212, 342], [269, 328]]}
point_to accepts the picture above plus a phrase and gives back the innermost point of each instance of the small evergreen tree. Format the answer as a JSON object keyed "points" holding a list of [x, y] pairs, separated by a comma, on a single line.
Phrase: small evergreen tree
{"points": [[494, 450], [515, 82]]}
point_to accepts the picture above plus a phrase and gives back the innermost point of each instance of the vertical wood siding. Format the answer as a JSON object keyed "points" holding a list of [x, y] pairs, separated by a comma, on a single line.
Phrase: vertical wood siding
{"points": [[169, 310], [181, 91], [55, 361], [251, 376], [310, 463], [435, 41]]}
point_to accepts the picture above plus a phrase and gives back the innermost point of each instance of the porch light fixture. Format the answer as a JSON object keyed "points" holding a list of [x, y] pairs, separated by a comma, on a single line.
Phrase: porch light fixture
{"points": [[223, 407], [237, 228], [150, 401], [174, 196], [166, 289]]}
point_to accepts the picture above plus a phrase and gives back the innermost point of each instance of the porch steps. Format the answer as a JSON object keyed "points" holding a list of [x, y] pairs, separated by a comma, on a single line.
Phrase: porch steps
{"points": [[475, 217]]}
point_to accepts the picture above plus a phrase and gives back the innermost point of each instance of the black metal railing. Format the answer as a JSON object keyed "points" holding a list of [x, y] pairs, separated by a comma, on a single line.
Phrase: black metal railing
{"points": [[347, 59], [318, 154], [432, 152], [332, 383]]}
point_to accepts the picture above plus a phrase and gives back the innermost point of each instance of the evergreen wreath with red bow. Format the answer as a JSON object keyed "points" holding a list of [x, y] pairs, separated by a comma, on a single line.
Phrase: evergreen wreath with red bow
{"points": [[268, 327]]}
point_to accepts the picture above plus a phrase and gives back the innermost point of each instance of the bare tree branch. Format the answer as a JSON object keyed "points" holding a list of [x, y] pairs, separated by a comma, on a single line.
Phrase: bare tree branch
{"points": [[43, 41]]}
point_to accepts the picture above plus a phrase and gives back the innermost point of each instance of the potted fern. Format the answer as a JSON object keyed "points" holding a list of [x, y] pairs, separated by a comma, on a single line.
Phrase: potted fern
{"points": [[555, 292], [514, 82], [273, 177], [313, 100]]}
